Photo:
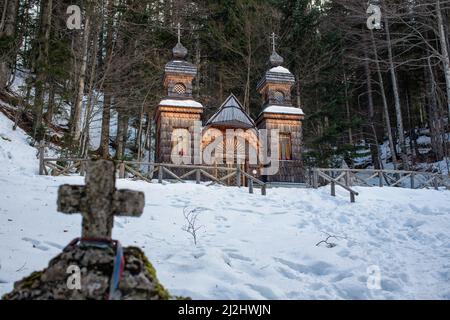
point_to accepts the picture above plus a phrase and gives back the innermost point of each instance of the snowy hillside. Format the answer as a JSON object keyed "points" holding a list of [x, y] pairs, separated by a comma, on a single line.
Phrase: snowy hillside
{"points": [[250, 246]]}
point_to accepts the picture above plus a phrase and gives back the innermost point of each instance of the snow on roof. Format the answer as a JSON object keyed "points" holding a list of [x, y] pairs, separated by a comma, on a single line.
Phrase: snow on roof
{"points": [[279, 69], [285, 110], [180, 103]]}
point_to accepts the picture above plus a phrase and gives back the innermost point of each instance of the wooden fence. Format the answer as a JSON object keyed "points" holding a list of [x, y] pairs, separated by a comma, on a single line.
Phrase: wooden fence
{"points": [[346, 178], [235, 176], [230, 176]]}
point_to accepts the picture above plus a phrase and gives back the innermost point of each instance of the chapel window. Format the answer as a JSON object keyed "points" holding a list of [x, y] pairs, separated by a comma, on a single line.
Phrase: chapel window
{"points": [[179, 89], [278, 96], [285, 147]]}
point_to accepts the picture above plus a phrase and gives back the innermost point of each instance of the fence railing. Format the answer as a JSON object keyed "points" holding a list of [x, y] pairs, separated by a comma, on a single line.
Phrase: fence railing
{"points": [[346, 178], [234, 176], [226, 176], [319, 174]]}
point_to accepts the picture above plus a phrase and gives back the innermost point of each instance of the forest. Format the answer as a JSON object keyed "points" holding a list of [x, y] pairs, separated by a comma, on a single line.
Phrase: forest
{"points": [[365, 92]]}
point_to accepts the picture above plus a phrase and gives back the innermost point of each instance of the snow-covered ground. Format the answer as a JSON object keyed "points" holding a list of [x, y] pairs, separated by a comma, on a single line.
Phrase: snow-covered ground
{"points": [[364, 159], [249, 246]]}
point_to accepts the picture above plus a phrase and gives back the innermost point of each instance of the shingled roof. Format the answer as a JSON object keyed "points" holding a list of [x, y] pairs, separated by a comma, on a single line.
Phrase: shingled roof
{"points": [[231, 114], [181, 67], [276, 75]]}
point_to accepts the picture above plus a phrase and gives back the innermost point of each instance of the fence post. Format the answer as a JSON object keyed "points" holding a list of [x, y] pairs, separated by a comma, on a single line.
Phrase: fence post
{"points": [[250, 185], [412, 181], [160, 174], [315, 178], [347, 178], [41, 158], [238, 176], [436, 183], [122, 170], [333, 189], [197, 176], [263, 189], [352, 197]]}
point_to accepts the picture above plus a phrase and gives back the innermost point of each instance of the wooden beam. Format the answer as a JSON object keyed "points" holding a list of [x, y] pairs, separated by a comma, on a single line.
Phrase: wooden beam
{"points": [[173, 175], [211, 177], [136, 173], [227, 176], [253, 178], [187, 174], [74, 165], [362, 180], [401, 179], [329, 179]]}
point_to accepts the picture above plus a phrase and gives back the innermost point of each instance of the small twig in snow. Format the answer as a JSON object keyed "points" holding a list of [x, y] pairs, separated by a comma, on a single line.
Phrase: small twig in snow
{"points": [[329, 244], [22, 267], [191, 222]]}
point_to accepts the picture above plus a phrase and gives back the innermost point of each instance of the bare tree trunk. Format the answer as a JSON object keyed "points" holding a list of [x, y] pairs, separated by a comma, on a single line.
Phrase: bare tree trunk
{"points": [[398, 107], [249, 66], [7, 31], [444, 49], [3, 19], [107, 101], [374, 148], [122, 128], [106, 119], [91, 101], [51, 103], [298, 92], [435, 122], [141, 127], [149, 143], [119, 136], [41, 64], [221, 84], [412, 132], [198, 63], [139, 134], [347, 106], [385, 104], [247, 87], [78, 105]]}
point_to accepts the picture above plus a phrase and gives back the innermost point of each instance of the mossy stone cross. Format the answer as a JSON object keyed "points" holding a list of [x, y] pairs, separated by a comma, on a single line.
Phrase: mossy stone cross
{"points": [[99, 200]]}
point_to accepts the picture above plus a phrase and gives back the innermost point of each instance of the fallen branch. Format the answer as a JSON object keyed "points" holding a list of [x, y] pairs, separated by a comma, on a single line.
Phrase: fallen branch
{"points": [[329, 244]]}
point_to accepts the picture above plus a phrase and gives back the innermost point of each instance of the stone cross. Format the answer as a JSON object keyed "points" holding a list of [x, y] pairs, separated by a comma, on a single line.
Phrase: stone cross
{"points": [[99, 200]]}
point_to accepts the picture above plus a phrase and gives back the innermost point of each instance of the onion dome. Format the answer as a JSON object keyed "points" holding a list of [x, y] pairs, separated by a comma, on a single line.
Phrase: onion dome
{"points": [[179, 51], [275, 59]]}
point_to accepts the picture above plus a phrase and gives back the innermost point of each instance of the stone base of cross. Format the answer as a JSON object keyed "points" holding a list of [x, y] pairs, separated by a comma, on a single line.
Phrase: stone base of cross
{"points": [[99, 200]]}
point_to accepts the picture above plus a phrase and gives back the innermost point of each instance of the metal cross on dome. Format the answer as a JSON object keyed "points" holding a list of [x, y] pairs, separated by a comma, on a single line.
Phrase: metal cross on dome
{"points": [[179, 32], [273, 38]]}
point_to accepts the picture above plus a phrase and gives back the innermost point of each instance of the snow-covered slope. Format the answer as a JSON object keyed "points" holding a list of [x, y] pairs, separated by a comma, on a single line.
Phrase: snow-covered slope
{"points": [[249, 246], [16, 155]]}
